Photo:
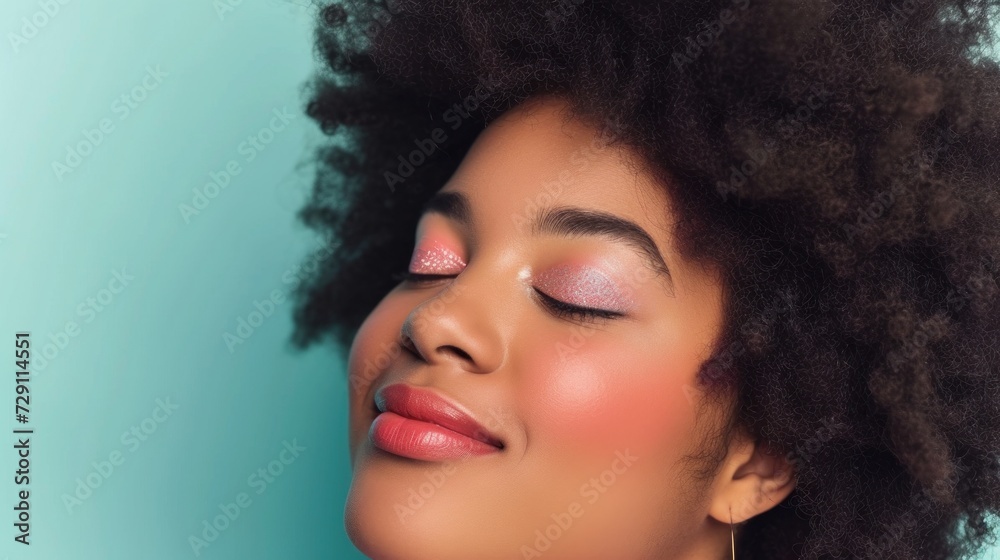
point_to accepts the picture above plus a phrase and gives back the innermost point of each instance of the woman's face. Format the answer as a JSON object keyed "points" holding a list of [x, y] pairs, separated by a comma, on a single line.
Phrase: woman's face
{"points": [[583, 421]]}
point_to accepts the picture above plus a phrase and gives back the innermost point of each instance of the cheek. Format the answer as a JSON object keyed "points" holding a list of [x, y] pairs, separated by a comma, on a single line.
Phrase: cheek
{"points": [[605, 394], [374, 348]]}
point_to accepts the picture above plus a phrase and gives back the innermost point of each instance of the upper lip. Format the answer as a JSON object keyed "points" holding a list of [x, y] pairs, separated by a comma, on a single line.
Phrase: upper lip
{"points": [[427, 406]]}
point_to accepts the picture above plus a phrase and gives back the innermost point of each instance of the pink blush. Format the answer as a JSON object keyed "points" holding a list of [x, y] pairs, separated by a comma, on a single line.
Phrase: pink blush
{"points": [[610, 393]]}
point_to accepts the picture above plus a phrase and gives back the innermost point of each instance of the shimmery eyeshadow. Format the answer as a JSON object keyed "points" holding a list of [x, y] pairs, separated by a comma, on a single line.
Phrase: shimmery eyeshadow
{"points": [[584, 286], [435, 259]]}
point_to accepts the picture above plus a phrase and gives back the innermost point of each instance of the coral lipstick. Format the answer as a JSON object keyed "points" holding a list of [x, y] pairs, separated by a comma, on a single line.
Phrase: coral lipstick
{"points": [[418, 424]]}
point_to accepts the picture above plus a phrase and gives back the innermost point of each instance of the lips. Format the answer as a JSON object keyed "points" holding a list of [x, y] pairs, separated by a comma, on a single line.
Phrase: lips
{"points": [[418, 424]]}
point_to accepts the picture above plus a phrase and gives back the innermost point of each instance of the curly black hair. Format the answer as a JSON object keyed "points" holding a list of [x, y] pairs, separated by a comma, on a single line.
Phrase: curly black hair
{"points": [[838, 160]]}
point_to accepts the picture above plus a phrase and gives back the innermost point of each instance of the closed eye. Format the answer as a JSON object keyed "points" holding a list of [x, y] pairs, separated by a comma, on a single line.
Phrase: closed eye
{"points": [[565, 310], [559, 308]]}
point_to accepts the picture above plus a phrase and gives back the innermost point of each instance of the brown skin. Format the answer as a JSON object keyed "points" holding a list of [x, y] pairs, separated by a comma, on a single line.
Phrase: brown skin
{"points": [[568, 398]]}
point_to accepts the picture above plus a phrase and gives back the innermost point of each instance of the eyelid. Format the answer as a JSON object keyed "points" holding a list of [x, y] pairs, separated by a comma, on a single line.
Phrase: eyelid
{"points": [[559, 308], [435, 255], [589, 287], [563, 309], [433, 261]]}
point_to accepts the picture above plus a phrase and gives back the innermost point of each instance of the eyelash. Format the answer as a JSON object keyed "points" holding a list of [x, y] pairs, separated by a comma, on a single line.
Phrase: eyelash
{"points": [[558, 308], [574, 312]]}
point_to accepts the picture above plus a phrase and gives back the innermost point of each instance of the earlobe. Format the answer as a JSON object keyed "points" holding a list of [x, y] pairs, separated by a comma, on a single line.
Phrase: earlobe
{"points": [[754, 478]]}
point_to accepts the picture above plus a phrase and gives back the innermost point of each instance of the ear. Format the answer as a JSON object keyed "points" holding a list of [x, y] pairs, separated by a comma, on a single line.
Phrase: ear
{"points": [[754, 478]]}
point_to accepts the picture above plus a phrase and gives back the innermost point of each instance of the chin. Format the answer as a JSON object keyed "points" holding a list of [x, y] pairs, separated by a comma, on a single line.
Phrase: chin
{"points": [[375, 531], [386, 519], [382, 528]]}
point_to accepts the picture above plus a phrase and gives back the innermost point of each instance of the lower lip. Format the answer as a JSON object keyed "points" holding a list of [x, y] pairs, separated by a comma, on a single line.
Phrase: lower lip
{"points": [[424, 441]]}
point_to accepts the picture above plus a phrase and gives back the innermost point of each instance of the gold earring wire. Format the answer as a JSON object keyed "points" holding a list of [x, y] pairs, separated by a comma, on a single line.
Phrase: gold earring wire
{"points": [[732, 534]]}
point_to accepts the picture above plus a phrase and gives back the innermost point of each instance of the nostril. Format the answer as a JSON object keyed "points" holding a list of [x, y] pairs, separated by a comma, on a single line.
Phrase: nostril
{"points": [[407, 344], [461, 353]]}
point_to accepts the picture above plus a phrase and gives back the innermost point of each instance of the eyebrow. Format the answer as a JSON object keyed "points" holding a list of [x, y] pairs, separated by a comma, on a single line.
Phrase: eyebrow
{"points": [[566, 221]]}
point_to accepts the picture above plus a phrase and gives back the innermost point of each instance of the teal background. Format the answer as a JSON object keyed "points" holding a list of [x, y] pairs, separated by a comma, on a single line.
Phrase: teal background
{"points": [[61, 238], [162, 337]]}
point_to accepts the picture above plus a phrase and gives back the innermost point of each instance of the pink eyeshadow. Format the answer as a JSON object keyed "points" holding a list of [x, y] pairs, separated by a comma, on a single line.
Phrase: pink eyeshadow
{"points": [[584, 286], [436, 259]]}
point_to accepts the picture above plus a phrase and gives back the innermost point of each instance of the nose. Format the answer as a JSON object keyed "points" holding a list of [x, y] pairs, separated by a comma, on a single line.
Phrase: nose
{"points": [[458, 325]]}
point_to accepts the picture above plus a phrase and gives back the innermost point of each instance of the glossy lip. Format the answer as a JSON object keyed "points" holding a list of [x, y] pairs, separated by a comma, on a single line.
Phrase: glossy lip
{"points": [[425, 412]]}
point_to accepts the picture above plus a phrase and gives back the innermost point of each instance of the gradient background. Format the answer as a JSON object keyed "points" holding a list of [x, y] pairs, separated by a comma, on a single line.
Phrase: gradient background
{"points": [[62, 238], [162, 336]]}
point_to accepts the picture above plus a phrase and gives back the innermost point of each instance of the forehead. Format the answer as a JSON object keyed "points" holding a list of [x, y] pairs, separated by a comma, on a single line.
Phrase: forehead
{"points": [[538, 155]]}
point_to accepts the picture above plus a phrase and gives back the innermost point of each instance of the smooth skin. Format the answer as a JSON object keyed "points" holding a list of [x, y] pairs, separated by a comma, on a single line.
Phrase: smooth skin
{"points": [[598, 416]]}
